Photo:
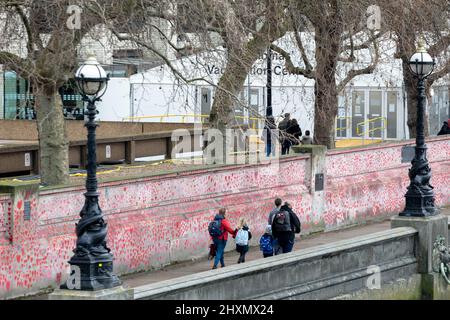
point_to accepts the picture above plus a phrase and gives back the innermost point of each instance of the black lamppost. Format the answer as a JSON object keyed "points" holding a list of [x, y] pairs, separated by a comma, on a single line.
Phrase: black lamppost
{"points": [[92, 258], [269, 83], [420, 195]]}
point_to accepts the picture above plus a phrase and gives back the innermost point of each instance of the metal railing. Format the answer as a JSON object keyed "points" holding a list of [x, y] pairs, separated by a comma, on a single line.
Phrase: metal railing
{"points": [[254, 120], [366, 125], [362, 132], [347, 121], [363, 128]]}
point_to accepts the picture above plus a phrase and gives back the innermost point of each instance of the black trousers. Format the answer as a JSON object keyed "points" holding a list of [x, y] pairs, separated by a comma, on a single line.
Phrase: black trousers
{"points": [[285, 146], [242, 250]]}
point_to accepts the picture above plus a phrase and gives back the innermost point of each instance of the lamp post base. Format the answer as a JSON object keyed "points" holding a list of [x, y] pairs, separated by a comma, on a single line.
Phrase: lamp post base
{"points": [[419, 206], [91, 273], [118, 293]]}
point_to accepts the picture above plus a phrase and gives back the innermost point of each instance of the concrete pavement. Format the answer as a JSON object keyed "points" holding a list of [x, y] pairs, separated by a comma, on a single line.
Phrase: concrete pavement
{"points": [[191, 267]]}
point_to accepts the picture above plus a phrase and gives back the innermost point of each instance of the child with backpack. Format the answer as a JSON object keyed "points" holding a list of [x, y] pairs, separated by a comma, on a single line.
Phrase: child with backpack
{"points": [[266, 242], [243, 235]]}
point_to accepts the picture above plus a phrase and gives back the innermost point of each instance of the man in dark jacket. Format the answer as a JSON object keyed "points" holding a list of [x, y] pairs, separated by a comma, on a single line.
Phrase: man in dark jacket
{"points": [[221, 241], [284, 227], [445, 128], [283, 127], [284, 124], [278, 204], [293, 135]]}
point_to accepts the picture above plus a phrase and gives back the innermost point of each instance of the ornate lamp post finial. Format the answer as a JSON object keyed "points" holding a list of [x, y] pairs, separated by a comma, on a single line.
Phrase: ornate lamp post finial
{"points": [[421, 45]]}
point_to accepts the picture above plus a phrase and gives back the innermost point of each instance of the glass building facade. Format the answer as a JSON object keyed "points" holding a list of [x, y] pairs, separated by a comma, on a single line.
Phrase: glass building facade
{"points": [[18, 99]]}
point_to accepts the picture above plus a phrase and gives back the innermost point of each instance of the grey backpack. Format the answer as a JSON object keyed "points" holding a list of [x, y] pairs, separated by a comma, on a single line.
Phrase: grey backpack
{"points": [[282, 222]]}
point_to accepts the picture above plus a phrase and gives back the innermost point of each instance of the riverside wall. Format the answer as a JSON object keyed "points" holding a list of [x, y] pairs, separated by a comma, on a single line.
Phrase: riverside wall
{"points": [[161, 219]]}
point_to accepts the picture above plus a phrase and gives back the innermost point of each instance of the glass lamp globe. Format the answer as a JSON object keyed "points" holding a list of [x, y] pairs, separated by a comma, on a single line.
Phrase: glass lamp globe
{"points": [[421, 63], [91, 77]]}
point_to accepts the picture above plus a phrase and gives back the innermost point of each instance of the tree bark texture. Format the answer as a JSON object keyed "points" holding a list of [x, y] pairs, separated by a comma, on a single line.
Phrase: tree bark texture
{"points": [[53, 143], [325, 88]]}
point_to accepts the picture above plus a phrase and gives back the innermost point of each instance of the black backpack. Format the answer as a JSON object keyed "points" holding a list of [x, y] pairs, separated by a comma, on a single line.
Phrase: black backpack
{"points": [[282, 222], [214, 228]]}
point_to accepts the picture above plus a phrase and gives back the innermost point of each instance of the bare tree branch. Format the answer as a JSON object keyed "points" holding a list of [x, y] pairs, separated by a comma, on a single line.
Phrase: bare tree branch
{"points": [[299, 42], [310, 74], [441, 45], [15, 63], [440, 73], [23, 17], [356, 72]]}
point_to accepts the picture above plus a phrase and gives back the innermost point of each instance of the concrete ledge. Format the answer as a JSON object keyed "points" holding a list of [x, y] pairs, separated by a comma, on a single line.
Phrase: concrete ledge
{"points": [[434, 287], [401, 289], [315, 289], [428, 228], [201, 285], [118, 293], [310, 148]]}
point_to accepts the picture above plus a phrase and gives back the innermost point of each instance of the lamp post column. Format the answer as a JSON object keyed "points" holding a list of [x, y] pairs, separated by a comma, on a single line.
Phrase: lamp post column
{"points": [[92, 261], [420, 195], [91, 181], [269, 83]]}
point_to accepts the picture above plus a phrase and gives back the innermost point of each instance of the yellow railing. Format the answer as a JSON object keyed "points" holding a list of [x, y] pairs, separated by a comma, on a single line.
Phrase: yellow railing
{"points": [[346, 123], [184, 116], [368, 122]]}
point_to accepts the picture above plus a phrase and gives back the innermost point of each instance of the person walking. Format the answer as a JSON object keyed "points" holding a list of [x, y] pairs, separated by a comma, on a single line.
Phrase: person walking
{"points": [[284, 227], [293, 134], [269, 136], [219, 229], [284, 124], [278, 203], [282, 127], [445, 129], [242, 237], [266, 242], [307, 139]]}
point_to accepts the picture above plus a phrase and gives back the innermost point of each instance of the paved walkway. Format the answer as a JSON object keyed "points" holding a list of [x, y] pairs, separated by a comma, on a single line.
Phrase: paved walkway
{"points": [[191, 267], [187, 268]]}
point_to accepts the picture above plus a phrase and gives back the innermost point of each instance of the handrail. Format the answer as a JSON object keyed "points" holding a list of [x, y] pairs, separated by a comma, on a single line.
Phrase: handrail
{"points": [[346, 123], [183, 117], [384, 125]]}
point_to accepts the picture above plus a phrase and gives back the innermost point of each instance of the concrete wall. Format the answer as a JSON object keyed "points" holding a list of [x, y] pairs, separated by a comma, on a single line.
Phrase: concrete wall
{"points": [[27, 130], [321, 272], [367, 183], [157, 220]]}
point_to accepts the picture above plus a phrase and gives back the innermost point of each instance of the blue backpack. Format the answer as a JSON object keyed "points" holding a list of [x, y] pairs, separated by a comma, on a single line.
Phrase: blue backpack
{"points": [[266, 244], [214, 228]]}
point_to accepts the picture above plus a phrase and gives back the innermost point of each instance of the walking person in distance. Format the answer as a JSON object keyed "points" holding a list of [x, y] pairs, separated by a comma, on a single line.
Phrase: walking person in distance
{"points": [[218, 230], [284, 227]]}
